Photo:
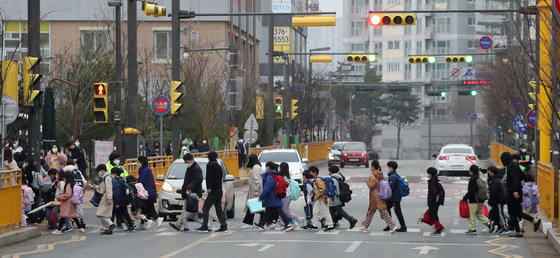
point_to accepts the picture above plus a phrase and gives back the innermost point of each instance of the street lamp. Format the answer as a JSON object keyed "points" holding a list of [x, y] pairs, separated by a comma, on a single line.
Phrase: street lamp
{"points": [[310, 64]]}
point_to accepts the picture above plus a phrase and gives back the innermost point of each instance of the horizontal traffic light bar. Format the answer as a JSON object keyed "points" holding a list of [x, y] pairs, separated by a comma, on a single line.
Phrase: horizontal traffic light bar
{"points": [[447, 59], [524, 10], [421, 59], [361, 58], [383, 19], [280, 53]]}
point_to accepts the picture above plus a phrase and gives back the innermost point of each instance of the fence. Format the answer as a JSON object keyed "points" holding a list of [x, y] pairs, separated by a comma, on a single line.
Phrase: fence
{"points": [[545, 181], [496, 150], [10, 200]]}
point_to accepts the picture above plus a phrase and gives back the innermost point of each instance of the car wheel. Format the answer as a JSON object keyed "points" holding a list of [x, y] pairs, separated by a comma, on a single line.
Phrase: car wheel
{"points": [[231, 213], [367, 165], [341, 165], [163, 216]]}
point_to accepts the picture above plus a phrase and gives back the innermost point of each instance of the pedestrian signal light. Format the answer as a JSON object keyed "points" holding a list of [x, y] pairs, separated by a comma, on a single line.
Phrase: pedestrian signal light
{"points": [[443, 94], [458, 59], [278, 107], [361, 58], [378, 19], [100, 107], [176, 94], [421, 59]]}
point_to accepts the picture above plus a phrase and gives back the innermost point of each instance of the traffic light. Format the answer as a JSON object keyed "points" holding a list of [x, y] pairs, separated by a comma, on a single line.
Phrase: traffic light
{"points": [[379, 19], [152, 9], [320, 59], [442, 94], [278, 107], [361, 58], [30, 78], [421, 59], [10, 77], [100, 107], [293, 110], [468, 92], [531, 106], [176, 94], [533, 96], [458, 59], [313, 21]]}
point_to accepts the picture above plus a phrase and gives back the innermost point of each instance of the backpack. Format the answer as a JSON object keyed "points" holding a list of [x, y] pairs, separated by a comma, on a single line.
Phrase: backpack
{"points": [[385, 192], [281, 185], [77, 194], [331, 187], [344, 192], [295, 191], [27, 195], [504, 196], [402, 185], [482, 193], [41, 181], [78, 177], [128, 193], [142, 193]]}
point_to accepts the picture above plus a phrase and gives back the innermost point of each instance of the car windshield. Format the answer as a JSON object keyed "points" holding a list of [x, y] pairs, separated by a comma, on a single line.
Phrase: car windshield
{"points": [[278, 157], [457, 150], [337, 146], [177, 170], [354, 146]]}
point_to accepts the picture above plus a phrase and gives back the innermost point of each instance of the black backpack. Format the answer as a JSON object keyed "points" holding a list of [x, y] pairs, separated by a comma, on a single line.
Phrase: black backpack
{"points": [[128, 193], [78, 177], [345, 194]]}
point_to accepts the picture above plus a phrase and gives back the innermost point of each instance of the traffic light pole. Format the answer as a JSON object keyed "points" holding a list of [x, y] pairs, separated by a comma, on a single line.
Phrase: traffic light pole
{"points": [[130, 150], [34, 50], [175, 69], [118, 77], [269, 110]]}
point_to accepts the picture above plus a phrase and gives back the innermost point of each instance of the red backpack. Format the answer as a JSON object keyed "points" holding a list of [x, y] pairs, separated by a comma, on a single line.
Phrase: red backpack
{"points": [[281, 186]]}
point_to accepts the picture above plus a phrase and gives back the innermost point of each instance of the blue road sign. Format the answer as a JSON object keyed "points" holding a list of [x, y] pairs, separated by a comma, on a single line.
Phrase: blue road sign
{"points": [[485, 42]]}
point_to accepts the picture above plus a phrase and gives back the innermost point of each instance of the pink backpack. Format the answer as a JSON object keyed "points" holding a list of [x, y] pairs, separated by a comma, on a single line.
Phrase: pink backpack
{"points": [[27, 195], [77, 194], [385, 192], [142, 193]]}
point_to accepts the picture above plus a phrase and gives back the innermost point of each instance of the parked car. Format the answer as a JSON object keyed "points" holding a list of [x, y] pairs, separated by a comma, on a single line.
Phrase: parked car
{"points": [[334, 153], [455, 160], [354, 153], [290, 156], [170, 202]]}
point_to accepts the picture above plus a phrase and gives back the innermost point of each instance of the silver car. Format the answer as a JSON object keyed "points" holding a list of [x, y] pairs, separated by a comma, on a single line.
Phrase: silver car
{"points": [[290, 156], [334, 153], [170, 201]]}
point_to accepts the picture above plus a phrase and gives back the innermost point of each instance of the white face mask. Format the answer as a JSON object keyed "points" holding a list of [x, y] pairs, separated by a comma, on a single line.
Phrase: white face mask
{"points": [[54, 150], [77, 144], [115, 148], [204, 142], [117, 162], [523, 150], [189, 165]]}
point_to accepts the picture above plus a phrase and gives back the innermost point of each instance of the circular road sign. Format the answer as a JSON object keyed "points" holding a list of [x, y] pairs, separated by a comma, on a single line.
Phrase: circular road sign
{"points": [[12, 109], [250, 136], [161, 105], [532, 118], [474, 116], [455, 72], [485, 42], [556, 7]]}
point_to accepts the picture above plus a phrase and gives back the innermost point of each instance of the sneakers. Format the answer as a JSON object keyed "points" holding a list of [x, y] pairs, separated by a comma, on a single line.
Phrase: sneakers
{"points": [[222, 230], [57, 232], [311, 227], [515, 234], [490, 226], [246, 227], [394, 229], [438, 232], [66, 229], [402, 229], [149, 224], [173, 226], [159, 221], [387, 228], [301, 221], [130, 228], [537, 225], [272, 226], [353, 223], [203, 230], [504, 232], [336, 225], [186, 230], [81, 230], [259, 227], [471, 232], [328, 229], [364, 230], [109, 231], [288, 228], [323, 225]]}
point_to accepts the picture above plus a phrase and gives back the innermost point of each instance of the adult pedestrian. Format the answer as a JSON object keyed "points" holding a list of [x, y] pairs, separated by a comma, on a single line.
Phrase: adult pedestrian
{"points": [[271, 203], [214, 198], [193, 181], [56, 158], [68, 209], [169, 150], [525, 158], [146, 177], [375, 202], [105, 208], [204, 146], [335, 204], [436, 198], [513, 175], [255, 189], [475, 197], [497, 194], [9, 162], [78, 155], [320, 207], [395, 201], [115, 162], [242, 150], [294, 219], [157, 149]]}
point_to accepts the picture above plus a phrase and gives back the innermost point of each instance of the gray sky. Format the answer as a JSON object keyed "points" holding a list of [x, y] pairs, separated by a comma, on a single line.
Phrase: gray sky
{"points": [[331, 6]]}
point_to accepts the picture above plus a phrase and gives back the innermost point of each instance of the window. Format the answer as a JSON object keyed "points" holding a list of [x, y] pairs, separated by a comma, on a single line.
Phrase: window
{"points": [[95, 40], [419, 47], [419, 72], [393, 67], [442, 24], [15, 41], [407, 71], [441, 47], [394, 44], [471, 44], [358, 47], [359, 6], [471, 21], [408, 4], [394, 2], [442, 70], [441, 4], [407, 48], [162, 45], [418, 25], [377, 31], [357, 28], [377, 4], [407, 30], [390, 45]]}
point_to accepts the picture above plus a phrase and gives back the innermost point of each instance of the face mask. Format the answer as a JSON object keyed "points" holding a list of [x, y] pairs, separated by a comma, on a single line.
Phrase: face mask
{"points": [[117, 162], [54, 150], [115, 148], [77, 143], [189, 165], [204, 142], [15, 144], [523, 150], [191, 143]]}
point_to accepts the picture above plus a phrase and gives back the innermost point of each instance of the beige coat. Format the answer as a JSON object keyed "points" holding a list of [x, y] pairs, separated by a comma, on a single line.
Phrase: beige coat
{"points": [[105, 209], [255, 183], [375, 203], [10, 165]]}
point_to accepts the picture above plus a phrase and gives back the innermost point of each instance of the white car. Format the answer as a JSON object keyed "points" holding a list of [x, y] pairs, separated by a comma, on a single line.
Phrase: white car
{"points": [[292, 157], [455, 160], [170, 201]]}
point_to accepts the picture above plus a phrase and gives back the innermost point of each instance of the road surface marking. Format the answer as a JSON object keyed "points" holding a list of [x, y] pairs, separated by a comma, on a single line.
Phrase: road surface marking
{"points": [[457, 231], [424, 249], [429, 234], [413, 230], [265, 247], [273, 232], [48, 247], [380, 233], [502, 248], [187, 247], [341, 242], [352, 247], [335, 232], [168, 234]]}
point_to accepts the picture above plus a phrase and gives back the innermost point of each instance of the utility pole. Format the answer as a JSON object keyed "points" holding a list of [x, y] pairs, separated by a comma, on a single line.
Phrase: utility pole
{"points": [[118, 75], [34, 50], [175, 69], [131, 143], [269, 111]]}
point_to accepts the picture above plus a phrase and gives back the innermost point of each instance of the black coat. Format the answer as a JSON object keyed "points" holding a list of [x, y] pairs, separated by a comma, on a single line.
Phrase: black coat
{"points": [[27, 175], [436, 193], [214, 177], [495, 191], [193, 179], [204, 147], [78, 154], [514, 177], [472, 190]]}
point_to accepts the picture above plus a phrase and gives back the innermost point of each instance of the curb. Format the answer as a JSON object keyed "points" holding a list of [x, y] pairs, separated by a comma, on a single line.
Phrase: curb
{"points": [[554, 237], [19, 235]]}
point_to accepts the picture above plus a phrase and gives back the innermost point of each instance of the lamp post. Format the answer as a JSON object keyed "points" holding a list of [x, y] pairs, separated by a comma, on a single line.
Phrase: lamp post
{"points": [[118, 73], [310, 64]]}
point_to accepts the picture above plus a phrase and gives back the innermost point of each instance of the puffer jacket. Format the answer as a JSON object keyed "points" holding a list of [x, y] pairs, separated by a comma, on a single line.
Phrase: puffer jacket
{"points": [[269, 187], [375, 202], [335, 200], [394, 183], [529, 189]]}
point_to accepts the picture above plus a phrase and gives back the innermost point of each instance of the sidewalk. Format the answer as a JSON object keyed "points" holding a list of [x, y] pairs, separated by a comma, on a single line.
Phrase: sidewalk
{"points": [[19, 235]]}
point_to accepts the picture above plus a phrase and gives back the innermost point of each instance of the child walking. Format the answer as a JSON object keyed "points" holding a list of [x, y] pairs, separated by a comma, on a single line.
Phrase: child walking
{"points": [[375, 202], [531, 197], [191, 209], [68, 209], [436, 197]]}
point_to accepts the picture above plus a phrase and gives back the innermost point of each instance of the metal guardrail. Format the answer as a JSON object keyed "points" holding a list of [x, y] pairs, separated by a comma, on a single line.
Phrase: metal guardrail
{"points": [[545, 182], [10, 200]]}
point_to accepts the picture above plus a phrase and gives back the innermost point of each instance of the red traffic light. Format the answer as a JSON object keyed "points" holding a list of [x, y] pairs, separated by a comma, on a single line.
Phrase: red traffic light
{"points": [[100, 89], [374, 19]]}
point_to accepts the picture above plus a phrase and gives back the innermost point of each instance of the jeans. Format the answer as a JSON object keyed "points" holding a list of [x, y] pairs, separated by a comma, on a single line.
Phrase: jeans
{"points": [[398, 211], [187, 216], [213, 199]]}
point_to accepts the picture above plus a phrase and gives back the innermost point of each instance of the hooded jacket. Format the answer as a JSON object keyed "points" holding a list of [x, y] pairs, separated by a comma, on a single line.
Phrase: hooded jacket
{"points": [[394, 183], [146, 177], [335, 200], [436, 193], [472, 189], [513, 174], [269, 187], [375, 203]]}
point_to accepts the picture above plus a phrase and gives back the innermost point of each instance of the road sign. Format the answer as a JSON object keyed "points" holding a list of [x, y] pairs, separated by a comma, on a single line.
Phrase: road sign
{"points": [[11, 112], [455, 72], [485, 42], [500, 128], [474, 116], [250, 136], [161, 105], [251, 123], [500, 42], [532, 118], [468, 73]]}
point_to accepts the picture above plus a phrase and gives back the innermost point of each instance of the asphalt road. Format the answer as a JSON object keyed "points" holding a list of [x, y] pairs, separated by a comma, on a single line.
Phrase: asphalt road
{"points": [[165, 242]]}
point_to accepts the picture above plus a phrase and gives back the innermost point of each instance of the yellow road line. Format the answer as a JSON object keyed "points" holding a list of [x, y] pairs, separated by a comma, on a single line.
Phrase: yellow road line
{"points": [[502, 248], [193, 244], [47, 247]]}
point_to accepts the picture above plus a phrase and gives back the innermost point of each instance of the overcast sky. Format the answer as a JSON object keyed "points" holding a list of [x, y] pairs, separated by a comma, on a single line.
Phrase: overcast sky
{"points": [[331, 6]]}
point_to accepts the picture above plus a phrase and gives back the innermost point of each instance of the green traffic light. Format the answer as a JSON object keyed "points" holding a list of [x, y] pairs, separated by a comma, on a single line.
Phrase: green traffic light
{"points": [[443, 93], [372, 58], [278, 108], [431, 59], [468, 59], [473, 92]]}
